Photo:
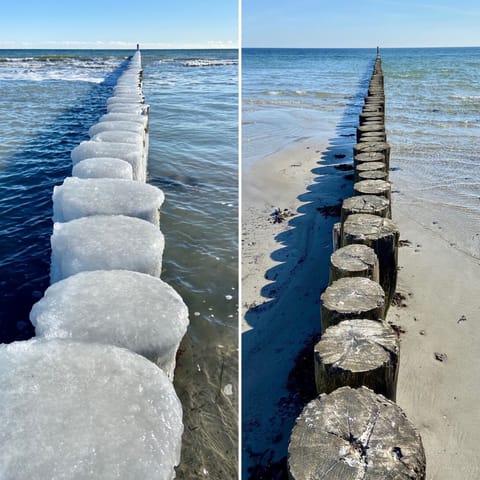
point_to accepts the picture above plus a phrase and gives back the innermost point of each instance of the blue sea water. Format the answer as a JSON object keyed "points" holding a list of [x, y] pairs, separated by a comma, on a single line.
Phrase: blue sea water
{"points": [[433, 127], [432, 120], [49, 99]]}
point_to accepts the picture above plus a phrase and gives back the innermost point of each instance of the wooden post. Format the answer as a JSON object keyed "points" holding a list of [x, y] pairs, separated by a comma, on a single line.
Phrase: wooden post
{"points": [[369, 167], [380, 147], [382, 235], [369, 157], [373, 187], [372, 175], [354, 261], [354, 434], [371, 204], [336, 234], [354, 297], [358, 353]]}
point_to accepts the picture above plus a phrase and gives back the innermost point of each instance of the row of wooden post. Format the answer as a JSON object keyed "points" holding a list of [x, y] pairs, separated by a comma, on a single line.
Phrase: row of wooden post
{"points": [[354, 426]]}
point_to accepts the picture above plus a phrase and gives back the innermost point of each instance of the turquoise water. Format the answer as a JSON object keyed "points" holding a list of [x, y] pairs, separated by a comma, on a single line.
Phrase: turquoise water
{"points": [[49, 100]]}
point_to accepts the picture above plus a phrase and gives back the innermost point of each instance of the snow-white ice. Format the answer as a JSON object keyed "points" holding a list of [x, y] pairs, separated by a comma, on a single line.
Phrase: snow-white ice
{"points": [[139, 109], [72, 410], [103, 167], [105, 243], [116, 126], [118, 307], [131, 153], [137, 139], [125, 116], [77, 198]]}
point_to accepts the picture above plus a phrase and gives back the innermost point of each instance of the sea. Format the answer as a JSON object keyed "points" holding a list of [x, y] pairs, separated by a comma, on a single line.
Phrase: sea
{"points": [[432, 120], [433, 127], [48, 101]]}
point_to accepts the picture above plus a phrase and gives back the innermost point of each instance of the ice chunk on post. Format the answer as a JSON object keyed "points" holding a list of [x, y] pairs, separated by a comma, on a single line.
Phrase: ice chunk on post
{"points": [[105, 243], [126, 98], [103, 167], [74, 410], [134, 138], [137, 108], [133, 154], [125, 116], [118, 307], [77, 198], [116, 126]]}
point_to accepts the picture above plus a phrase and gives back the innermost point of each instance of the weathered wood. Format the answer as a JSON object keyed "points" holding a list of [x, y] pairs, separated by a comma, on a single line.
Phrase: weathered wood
{"points": [[371, 116], [336, 235], [369, 167], [354, 297], [358, 353], [371, 128], [370, 204], [354, 261], [372, 175], [381, 147], [354, 434], [382, 235], [380, 188], [368, 157], [372, 137]]}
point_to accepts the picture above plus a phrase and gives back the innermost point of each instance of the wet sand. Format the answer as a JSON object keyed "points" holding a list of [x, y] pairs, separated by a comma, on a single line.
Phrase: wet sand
{"points": [[284, 269]]}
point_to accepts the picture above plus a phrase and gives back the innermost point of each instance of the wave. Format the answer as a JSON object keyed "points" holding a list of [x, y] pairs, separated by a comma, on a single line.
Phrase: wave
{"points": [[207, 62]]}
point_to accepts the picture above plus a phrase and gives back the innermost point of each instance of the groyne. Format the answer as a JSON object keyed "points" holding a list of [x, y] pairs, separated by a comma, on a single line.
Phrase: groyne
{"points": [[92, 395], [354, 428]]}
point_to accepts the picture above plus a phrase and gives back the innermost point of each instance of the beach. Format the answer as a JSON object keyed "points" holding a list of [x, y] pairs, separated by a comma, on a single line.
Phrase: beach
{"points": [[285, 267], [281, 318]]}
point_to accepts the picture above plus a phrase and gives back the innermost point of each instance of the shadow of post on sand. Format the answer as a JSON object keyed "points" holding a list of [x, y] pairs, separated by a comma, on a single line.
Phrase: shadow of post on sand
{"points": [[277, 353]]}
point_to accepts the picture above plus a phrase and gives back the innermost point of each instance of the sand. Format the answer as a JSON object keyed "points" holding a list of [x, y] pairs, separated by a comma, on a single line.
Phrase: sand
{"points": [[284, 269]]}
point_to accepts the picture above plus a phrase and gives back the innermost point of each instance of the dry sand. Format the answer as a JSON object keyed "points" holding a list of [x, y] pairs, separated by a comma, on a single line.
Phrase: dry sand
{"points": [[284, 269]]}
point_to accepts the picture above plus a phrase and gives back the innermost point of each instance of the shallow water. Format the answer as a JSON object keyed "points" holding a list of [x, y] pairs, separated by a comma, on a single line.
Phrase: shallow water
{"points": [[49, 100], [432, 120]]}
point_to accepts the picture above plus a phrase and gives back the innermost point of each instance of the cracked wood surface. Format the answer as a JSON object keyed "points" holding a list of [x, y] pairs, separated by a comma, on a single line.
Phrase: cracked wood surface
{"points": [[354, 434], [358, 353]]}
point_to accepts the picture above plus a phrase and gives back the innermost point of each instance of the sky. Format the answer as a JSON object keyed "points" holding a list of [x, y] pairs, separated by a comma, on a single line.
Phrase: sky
{"points": [[119, 24], [360, 23]]}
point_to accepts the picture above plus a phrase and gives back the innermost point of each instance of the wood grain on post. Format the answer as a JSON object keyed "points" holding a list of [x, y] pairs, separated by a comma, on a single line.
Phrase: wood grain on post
{"points": [[367, 147], [369, 157], [371, 116], [353, 434], [372, 175], [369, 167], [349, 298], [370, 204], [358, 353], [354, 261], [336, 235], [380, 188], [382, 235]]}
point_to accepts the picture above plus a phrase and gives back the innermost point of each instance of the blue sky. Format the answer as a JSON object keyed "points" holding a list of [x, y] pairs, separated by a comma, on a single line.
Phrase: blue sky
{"points": [[119, 24], [360, 23]]}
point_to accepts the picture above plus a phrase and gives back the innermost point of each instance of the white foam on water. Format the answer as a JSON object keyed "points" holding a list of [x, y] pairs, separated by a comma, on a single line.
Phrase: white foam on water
{"points": [[74, 410], [105, 243], [122, 308], [103, 167], [77, 198]]}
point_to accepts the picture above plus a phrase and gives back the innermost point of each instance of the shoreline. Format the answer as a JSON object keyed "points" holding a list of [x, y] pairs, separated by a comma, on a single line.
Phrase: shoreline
{"points": [[284, 268]]}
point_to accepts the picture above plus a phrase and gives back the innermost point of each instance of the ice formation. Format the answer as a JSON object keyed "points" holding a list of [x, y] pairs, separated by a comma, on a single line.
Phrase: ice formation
{"points": [[116, 126], [128, 117], [131, 153], [72, 410], [137, 108], [134, 138], [118, 307], [103, 167], [77, 198], [105, 243]]}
